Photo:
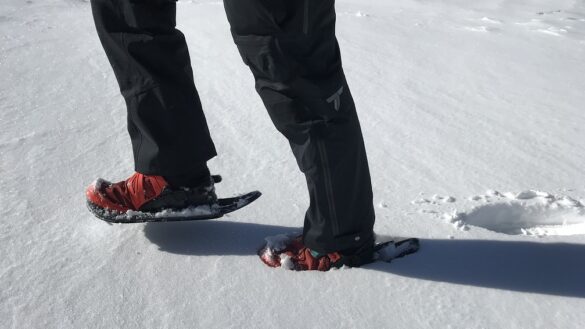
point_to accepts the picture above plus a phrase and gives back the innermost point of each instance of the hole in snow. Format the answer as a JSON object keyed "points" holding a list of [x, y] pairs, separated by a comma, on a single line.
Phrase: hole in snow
{"points": [[528, 219]]}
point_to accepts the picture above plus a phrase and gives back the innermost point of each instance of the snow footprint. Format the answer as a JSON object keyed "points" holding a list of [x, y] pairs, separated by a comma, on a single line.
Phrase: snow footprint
{"points": [[526, 213], [515, 218]]}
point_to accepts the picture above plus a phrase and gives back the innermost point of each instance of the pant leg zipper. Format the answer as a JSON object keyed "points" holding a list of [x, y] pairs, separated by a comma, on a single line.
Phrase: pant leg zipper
{"points": [[328, 186]]}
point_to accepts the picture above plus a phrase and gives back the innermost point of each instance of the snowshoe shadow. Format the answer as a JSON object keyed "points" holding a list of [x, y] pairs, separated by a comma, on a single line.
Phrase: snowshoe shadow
{"points": [[213, 237], [534, 267]]}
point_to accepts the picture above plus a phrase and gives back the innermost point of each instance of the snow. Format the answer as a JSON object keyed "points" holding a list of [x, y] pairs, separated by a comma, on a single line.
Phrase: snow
{"points": [[455, 98], [278, 242], [286, 262]]}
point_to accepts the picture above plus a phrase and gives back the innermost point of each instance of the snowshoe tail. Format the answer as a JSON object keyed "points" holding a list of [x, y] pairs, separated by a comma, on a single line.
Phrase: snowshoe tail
{"points": [[387, 251]]}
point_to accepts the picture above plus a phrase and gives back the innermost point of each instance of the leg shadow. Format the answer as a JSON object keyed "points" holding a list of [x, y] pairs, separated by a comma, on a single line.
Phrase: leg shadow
{"points": [[213, 237], [536, 267]]}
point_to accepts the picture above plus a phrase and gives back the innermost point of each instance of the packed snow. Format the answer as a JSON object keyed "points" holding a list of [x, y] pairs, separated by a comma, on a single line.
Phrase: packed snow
{"points": [[455, 98]]}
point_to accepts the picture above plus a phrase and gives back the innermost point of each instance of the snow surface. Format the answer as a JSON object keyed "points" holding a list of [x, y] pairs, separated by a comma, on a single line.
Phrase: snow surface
{"points": [[456, 97]]}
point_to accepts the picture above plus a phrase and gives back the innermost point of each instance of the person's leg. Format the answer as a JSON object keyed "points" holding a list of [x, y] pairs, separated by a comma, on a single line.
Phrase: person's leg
{"points": [[151, 62], [291, 48]]}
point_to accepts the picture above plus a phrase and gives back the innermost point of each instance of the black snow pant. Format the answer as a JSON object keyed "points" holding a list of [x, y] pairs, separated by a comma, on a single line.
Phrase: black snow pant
{"points": [[291, 49]]}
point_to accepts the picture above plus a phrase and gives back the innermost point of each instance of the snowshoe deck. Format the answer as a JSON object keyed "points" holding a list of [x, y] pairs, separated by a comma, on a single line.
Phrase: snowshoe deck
{"points": [[202, 212]]}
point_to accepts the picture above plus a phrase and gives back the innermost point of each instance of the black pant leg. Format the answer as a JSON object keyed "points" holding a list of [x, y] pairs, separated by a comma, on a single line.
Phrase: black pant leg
{"points": [[291, 48], [151, 62]]}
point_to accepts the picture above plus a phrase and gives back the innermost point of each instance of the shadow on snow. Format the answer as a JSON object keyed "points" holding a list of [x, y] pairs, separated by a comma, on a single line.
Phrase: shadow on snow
{"points": [[212, 237], [526, 266]]}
